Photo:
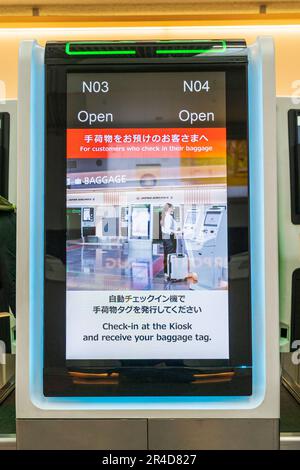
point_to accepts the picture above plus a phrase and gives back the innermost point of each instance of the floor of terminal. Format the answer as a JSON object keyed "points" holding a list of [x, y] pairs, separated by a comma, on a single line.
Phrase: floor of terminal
{"points": [[95, 267]]}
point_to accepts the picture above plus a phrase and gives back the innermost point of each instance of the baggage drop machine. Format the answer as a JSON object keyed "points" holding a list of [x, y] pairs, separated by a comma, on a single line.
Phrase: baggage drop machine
{"points": [[190, 110], [8, 190], [288, 144], [209, 250]]}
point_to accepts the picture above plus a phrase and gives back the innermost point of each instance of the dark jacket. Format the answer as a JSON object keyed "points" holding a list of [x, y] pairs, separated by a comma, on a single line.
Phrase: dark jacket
{"points": [[7, 256]]}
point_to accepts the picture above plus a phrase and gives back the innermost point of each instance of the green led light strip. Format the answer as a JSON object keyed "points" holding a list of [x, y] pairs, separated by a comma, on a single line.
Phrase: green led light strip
{"points": [[115, 52], [221, 48], [192, 51]]}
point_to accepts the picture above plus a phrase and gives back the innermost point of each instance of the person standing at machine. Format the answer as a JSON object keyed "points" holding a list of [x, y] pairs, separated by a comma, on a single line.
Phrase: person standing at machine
{"points": [[168, 228]]}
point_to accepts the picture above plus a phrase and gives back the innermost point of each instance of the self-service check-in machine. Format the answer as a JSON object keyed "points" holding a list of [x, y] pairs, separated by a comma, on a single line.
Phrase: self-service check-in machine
{"points": [[88, 223], [209, 249], [288, 145], [8, 150], [107, 363], [8, 190], [140, 228]]}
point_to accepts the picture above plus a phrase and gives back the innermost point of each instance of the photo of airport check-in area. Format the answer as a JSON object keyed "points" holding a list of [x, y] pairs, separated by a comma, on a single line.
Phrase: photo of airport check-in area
{"points": [[147, 240]]}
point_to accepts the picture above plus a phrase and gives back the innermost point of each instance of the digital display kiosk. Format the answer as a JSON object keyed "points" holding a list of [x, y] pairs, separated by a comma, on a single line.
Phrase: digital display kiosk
{"points": [[107, 116], [168, 142], [140, 222]]}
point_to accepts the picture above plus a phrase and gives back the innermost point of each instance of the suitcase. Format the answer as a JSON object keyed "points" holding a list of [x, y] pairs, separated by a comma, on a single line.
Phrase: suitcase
{"points": [[178, 266]]}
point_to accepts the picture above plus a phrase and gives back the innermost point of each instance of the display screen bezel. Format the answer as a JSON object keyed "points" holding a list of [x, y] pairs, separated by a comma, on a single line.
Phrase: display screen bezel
{"points": [[240, 357]]}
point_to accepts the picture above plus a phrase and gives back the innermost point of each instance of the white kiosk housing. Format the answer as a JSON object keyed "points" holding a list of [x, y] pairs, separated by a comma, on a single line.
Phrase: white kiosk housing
{"points": [[141, 422]]}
